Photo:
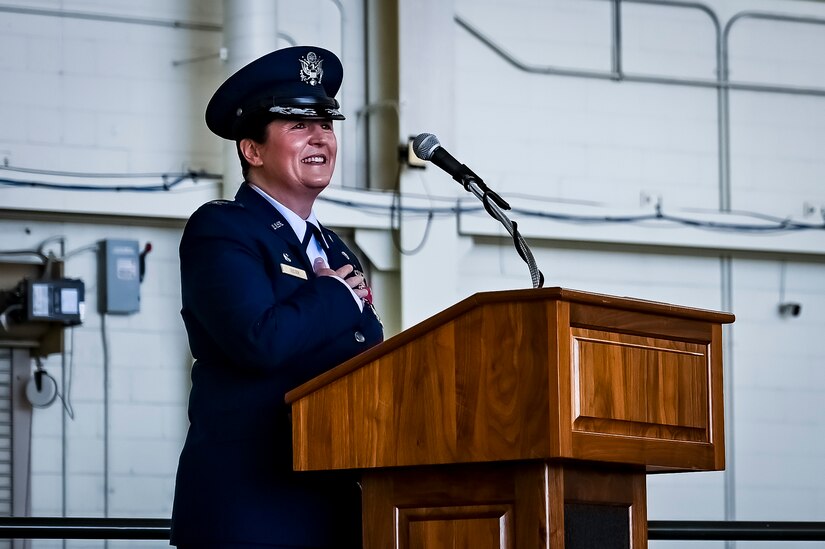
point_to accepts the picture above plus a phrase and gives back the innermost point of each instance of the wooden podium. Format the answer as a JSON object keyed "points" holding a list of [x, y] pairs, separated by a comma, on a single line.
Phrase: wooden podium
{"points": [[520, 419]]}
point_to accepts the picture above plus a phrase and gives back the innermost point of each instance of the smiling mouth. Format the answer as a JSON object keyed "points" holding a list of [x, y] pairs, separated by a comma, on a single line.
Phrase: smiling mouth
{"points": [[316, 159]]}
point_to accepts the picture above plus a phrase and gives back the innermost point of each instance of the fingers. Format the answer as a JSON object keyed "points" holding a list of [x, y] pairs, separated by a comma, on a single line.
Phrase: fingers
{"points": [[356, 282], [319, 266], [344, 271]]}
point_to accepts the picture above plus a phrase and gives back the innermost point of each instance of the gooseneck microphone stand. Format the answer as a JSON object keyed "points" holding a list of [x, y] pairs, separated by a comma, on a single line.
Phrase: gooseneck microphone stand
{"points": [[426, 147], [494, 205]]}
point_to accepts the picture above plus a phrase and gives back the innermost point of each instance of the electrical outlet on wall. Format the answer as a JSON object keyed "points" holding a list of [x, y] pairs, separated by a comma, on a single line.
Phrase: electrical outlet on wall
{"points": [[647, 199], [808, 209], [408, 156]]}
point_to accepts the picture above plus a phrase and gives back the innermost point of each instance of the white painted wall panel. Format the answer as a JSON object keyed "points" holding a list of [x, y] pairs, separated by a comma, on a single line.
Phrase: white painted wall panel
{"points": [[777, 160], [777, 366], [101, 96], [667, 41], [571, 33]]}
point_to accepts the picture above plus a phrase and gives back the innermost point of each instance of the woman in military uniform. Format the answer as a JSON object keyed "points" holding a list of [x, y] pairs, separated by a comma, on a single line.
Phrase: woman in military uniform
{"points": [[271, 298]]}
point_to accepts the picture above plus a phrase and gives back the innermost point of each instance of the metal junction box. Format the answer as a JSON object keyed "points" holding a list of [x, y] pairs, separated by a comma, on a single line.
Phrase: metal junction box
{"points": [[119, 279]]}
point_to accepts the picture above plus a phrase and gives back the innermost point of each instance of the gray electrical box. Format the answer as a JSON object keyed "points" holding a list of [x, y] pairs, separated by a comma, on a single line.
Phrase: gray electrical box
{"points": [[119, 279]]}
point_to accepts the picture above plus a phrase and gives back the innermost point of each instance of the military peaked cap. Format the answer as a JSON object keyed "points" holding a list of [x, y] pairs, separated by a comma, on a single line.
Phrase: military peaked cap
{"points": [[298, 82]]}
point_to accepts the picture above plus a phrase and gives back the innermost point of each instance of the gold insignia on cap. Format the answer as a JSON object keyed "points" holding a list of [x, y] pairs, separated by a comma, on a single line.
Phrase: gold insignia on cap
{"points": [[311, 71]]}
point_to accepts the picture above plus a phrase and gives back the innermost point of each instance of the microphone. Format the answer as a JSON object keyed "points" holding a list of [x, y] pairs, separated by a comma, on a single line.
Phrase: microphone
{"points": [[427, 147]]}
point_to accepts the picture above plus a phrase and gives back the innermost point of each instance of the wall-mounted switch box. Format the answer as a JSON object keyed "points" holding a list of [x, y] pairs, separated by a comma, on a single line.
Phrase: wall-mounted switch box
{"points": [[119, 279]]}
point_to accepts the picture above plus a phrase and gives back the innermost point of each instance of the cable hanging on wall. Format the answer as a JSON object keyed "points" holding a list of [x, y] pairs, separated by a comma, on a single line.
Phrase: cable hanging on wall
{"points": [[169, 180], [769, 223]]}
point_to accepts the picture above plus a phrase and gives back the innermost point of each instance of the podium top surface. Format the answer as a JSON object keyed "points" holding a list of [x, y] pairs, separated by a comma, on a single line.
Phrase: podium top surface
{"points": [[514, 296]]}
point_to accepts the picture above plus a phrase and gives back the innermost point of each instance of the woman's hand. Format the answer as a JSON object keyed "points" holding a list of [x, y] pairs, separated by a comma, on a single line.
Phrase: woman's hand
{"points": [[355, 281]]}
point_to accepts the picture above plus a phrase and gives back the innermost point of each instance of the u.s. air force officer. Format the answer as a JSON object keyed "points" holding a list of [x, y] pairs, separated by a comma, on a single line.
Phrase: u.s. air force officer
{"points": [[271, 298]]}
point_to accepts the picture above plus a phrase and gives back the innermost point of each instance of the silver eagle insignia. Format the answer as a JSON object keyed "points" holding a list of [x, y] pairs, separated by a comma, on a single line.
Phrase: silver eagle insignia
{"points": [[311, 71]]}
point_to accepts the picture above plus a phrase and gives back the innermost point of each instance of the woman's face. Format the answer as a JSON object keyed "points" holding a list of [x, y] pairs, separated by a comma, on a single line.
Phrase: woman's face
{"points": [[298, 158]]}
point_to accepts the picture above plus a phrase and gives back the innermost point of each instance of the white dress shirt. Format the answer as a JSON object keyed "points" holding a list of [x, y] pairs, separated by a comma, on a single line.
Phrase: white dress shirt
{"points": [[299, 226]]}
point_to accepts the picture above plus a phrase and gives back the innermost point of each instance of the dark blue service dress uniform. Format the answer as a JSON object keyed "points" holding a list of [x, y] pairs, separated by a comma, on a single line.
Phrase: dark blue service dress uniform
{"points": [[258, 329]]}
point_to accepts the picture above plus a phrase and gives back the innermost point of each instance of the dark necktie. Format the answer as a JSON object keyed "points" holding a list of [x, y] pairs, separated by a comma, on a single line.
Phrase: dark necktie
{"points": [[313, 229]]}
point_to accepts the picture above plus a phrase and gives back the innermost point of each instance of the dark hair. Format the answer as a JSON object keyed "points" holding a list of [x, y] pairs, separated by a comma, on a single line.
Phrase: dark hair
{"points": [[253, 128]]}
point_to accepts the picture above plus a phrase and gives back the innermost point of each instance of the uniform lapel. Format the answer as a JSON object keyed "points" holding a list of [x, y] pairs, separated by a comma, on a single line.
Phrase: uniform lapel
{"points": [[271, 217], [337, 254]]}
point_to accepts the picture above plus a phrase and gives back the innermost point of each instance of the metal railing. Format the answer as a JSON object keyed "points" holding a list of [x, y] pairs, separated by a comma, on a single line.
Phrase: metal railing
{"points": [[708, 530], [83, 528], [158, 529]]}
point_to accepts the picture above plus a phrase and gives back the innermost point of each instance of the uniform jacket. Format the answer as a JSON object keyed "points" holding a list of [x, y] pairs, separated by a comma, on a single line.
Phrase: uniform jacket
{"points": [[256, 331]]}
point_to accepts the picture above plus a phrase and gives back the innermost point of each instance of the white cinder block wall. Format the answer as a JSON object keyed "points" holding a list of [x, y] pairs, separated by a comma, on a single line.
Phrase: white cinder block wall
{"points": [[617, 149], [104, 96]]}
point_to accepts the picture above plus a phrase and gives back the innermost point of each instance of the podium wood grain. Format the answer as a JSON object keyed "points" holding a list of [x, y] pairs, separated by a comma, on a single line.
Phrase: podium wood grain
{"points": [[469, 427]]}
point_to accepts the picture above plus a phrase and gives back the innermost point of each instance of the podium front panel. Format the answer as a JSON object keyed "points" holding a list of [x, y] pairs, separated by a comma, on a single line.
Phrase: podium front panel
{"points": [[521, 375]]}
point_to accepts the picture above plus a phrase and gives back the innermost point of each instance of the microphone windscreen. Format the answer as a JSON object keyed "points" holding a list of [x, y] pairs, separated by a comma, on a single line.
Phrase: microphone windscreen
{"points": [[424, 145]]}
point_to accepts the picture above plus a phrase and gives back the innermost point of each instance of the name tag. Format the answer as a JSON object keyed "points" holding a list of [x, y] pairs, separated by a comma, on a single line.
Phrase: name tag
{"points": [[293, 271]]}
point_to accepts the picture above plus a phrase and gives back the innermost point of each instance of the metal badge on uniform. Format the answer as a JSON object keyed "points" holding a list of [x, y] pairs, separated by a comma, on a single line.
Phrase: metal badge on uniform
{"points": [[287, 258], [345, 254], [293, 271], [277, 225]]}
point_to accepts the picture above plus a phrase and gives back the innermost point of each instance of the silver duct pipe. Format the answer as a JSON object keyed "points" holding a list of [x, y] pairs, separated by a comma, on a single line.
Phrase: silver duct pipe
{"points": [[250, 30]]}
